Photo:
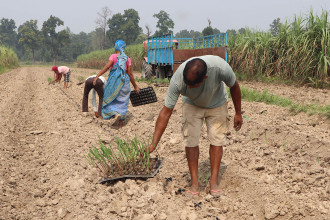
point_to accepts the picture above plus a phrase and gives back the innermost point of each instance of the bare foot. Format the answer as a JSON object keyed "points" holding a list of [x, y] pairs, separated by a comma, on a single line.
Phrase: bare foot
{"points": [[192, 192], [118, 122], [215, 190]]}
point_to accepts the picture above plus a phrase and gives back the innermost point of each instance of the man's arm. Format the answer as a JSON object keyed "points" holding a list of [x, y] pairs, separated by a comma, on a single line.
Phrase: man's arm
{"points": [[235, 92], [161, 125]]}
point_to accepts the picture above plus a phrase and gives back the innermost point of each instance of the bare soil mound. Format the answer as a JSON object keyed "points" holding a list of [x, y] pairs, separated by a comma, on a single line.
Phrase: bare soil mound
{"points": [[276, 167]]}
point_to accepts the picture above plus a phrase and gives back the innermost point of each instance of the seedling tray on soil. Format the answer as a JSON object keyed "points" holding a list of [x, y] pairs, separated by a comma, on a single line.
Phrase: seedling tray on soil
{"points": [[157, 164], [146, 96]]}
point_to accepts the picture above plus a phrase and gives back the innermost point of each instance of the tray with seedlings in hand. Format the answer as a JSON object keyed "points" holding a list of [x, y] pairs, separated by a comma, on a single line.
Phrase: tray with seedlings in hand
{"points": [[128, 159], [146, 96]]}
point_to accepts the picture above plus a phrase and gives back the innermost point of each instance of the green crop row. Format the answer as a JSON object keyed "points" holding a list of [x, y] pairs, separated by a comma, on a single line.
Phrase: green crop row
{"points": [[8, 59], [299, 52]]}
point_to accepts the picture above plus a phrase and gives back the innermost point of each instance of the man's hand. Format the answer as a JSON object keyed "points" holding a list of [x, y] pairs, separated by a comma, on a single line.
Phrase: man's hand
{"points": [[94, 80], [238, 121]]}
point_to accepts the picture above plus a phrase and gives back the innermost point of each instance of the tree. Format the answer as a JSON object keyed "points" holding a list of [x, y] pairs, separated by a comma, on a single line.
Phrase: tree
{"points": [[241, 31], [131, 28], [52, 39], [275, 27], [188, 34], [28, 36], [96, 38], [7, 32], [208, 31], [142, 37], [115, 28], [231, 33], [102, 23], [216, 31], [79, 44], [125, 27], [164, 23]]}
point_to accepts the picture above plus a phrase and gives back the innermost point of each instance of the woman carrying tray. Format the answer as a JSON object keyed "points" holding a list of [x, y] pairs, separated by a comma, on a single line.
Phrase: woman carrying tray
{"points": [[117, 89]]}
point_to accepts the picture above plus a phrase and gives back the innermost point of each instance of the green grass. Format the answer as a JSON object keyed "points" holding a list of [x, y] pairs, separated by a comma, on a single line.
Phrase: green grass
{"points": [[153, 80], [81, 78], [251, 95]]}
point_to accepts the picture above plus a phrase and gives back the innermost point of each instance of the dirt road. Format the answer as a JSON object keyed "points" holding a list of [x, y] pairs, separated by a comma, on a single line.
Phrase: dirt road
{"points": [[276, 167]]}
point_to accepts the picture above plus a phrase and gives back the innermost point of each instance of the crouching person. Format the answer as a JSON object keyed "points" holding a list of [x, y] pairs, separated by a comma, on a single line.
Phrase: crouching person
{"points": [[99, 88]]}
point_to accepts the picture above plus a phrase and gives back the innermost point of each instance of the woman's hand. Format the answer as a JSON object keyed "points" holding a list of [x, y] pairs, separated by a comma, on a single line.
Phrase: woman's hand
{"points": [[94, 81], [137, 89]]}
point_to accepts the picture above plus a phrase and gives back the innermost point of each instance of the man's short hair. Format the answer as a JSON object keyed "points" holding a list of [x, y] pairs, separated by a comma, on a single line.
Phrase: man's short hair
{"points": [[200, 73]]}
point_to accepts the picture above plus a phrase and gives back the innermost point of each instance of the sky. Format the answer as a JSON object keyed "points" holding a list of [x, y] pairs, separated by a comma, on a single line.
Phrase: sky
{"points": [[187, 14]]}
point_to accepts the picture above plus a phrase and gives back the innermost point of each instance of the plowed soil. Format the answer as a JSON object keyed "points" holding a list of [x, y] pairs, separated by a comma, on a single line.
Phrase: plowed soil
{"points": [[276, 167]]}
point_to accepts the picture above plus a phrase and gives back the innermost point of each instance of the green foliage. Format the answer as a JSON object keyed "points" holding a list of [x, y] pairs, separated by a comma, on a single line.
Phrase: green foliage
{"points": [[50, 79], [125, 27], [275, 27], [7, 32], [251, 95], [188, 34], [81, 78], [28, 36], [128, 157], [164, 23], [208, 31], [300, 51], [54, 40], [97, 59], [152, 80], [8, 59], [231, 33]]}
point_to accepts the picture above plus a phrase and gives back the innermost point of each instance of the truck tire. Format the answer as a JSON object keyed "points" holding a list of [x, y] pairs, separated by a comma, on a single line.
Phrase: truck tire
{"points": [[160, 72], [146, 70]]}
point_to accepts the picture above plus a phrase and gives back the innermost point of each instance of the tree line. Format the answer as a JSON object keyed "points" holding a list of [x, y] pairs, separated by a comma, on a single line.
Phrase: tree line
{"points": [[49, 45]]}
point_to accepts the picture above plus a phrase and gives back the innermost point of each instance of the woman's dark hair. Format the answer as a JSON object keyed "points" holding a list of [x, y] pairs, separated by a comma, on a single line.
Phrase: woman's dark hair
{"points": [[200, 69]]}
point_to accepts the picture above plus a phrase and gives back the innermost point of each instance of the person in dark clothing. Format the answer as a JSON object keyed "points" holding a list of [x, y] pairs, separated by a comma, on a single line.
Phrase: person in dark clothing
{"points": [[98, 87]]}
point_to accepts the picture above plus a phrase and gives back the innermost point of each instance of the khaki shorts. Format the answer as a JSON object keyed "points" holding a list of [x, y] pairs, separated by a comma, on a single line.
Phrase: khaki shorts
{"points": [[216, 120]]}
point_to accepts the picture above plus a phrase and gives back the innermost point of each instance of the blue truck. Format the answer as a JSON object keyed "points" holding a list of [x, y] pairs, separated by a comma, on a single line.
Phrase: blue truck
{"points": [[165, 53]]}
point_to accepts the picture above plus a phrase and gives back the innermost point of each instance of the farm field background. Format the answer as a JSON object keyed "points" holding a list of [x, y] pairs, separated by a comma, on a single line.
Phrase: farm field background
{"points": [[276, 167]]}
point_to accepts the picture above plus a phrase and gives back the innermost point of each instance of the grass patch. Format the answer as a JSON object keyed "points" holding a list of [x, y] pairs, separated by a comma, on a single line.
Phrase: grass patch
{"points": [[251, 95], [81, 78], [153, 80]]}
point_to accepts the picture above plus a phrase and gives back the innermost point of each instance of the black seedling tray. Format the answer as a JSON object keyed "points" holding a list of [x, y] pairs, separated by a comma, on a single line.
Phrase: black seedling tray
{"points": [[146, 96], [158, 165]]}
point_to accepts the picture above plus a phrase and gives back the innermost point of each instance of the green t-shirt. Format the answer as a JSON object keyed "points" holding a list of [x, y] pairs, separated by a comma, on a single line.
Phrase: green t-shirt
{"points": [[211, 94]]}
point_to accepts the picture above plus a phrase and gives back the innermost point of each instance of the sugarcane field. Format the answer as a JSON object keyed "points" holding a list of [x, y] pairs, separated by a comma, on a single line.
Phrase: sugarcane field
{"points": [[159, 123]]}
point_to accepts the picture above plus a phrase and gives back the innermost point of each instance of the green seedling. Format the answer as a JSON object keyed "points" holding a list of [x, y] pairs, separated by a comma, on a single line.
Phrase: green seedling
{"points": [[128, 157], [81, 78], [246, 117]]}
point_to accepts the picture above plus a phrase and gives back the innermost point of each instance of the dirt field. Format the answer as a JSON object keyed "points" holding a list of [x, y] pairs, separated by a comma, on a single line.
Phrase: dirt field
{"points": [[276, 167]]}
